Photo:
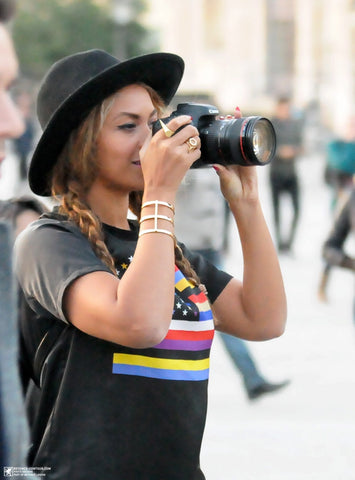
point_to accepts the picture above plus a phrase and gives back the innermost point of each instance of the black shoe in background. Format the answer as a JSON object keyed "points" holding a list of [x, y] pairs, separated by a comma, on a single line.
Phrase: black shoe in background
{"points": [[266, 387]]}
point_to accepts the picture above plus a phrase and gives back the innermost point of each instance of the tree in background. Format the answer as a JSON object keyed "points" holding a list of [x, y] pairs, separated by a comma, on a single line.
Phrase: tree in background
{"points": [[46, 30]]}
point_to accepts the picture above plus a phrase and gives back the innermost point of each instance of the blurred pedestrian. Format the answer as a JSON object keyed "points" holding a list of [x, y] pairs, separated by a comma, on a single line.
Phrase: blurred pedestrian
{"points": [[339, 176], [283, 172], [340, 165], [21, 212], [13, 427], [122, 316], [11, 123], [334, 252], [202, 220], [23, 144]]}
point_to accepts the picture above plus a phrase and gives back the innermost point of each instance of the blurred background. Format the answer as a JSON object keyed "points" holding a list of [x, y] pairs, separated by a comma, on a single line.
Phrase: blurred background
{"points": [[234, 52], [245, 54]]}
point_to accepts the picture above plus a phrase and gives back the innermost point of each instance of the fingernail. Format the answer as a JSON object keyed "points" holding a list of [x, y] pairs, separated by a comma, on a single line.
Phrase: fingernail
{"points": [[217, 169], [237, 109]]}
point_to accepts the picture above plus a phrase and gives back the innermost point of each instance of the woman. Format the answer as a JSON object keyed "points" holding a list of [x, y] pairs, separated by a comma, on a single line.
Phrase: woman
{"points": [[123, 389]]}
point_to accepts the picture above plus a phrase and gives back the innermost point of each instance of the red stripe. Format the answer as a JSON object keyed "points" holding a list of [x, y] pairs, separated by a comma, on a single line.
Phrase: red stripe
{"points": [[188, 335], [200, 298]]}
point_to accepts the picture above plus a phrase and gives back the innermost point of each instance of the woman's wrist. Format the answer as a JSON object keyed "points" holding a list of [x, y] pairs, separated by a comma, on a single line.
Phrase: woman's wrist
{"points": [[161, 195], [244, 205], [157, 216]]}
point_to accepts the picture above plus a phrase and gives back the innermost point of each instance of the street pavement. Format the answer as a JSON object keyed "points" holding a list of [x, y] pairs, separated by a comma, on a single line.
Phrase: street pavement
{"points": [[307, 430]]}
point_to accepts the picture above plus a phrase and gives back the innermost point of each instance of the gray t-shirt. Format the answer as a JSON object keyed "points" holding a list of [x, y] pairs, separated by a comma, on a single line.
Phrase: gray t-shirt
{"points": [[105, 410]]}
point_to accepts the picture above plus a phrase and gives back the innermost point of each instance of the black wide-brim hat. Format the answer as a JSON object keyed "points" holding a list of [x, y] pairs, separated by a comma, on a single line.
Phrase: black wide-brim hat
{"points": [[79, 82]]}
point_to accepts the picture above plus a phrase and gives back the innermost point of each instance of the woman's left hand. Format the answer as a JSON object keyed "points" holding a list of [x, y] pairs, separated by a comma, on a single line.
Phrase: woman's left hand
{"points": [[238, 182]]}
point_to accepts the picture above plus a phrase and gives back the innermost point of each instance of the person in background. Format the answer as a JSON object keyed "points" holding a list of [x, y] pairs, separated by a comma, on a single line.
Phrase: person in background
{"points": [[123, 390], [11, 122], [283, 174], [202, 220], [333, 251], [13, 426], [340, 165], [20, 212], [339, 176], [23, 145]]}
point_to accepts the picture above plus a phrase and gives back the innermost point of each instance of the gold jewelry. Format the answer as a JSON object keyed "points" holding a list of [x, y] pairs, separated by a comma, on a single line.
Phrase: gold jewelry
{"points": [[167, 131], [157, 230], [159, 202], [156, 216], [191, 144]]}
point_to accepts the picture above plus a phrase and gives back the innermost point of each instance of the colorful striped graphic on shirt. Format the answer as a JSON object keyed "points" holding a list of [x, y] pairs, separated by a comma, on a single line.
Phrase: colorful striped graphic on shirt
{"points": [[191, 336], [162, 368], [200, 299]]}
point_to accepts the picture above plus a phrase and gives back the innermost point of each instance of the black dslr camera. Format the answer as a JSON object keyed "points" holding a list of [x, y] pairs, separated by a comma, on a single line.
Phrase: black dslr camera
{"points": [[239, 141]]}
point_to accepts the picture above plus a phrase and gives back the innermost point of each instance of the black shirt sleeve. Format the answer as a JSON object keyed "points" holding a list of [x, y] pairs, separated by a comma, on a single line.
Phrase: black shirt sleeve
{"points": [[214, 279], [49, 255]]}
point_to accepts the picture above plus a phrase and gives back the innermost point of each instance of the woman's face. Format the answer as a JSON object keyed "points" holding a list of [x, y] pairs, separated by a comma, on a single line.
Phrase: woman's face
{"points": [[123, 134]]}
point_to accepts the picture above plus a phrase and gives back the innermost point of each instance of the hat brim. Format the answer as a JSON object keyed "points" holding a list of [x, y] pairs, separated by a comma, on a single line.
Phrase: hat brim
{"points": [[160, 71]]}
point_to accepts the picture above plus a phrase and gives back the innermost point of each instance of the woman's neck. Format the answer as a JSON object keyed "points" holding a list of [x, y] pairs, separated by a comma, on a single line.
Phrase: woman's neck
{"points": [[110, 206]]}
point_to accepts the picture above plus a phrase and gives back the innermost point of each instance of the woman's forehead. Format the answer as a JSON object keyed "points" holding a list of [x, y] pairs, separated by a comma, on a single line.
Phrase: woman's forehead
{"points": [[133, 100]]}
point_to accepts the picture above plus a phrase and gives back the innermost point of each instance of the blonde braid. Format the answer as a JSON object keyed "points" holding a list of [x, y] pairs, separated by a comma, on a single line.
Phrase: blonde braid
{"points": [[73, 175], [79, 212]]}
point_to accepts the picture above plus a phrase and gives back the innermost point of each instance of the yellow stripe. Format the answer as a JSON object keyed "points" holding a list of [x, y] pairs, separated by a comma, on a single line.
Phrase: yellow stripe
{"points": [[163, 363], [182, 284]]}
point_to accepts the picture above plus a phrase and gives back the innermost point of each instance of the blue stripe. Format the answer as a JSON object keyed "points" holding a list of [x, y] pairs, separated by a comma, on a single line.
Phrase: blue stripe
{"points": [[178, 276], [206, 315], [184, 375]]}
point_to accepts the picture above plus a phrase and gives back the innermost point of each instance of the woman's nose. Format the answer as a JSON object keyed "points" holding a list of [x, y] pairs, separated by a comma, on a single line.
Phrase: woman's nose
{"points": [[11, 121], [146, 133]]}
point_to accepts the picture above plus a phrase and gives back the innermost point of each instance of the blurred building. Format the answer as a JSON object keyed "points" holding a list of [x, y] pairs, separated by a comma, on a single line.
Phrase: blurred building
{"points": [[246, 53]]}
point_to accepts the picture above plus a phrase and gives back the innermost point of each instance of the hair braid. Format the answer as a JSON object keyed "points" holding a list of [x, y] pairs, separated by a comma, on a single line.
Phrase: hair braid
{"points": [[73, 175], [80, 213]]}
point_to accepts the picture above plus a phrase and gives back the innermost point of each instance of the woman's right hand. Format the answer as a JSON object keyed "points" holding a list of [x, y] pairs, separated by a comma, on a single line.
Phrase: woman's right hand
{"points": [[165, 160]]}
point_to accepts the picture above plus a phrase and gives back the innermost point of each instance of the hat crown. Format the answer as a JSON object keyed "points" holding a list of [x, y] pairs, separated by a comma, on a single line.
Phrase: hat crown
{"points": [[66, 77]]}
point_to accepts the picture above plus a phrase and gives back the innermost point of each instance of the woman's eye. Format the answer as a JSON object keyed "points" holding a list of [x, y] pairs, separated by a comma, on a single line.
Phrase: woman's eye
{"points": [[127, 126]]}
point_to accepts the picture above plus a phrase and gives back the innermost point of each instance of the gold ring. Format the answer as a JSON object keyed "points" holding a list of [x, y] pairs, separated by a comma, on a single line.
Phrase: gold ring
{"points": [[192, 144], [166, 130]]}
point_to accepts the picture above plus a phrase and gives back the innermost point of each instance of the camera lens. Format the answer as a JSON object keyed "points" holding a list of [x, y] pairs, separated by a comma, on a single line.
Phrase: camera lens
{"points": [[257, 140], [242, 141]]}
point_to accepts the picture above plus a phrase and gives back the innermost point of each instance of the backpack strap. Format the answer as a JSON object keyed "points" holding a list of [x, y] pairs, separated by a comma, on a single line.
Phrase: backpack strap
{"points": [[45, 348]]}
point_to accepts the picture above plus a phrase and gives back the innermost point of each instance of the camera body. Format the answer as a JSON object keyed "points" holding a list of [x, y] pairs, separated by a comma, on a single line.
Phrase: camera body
{"points": [[239, 141]]}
